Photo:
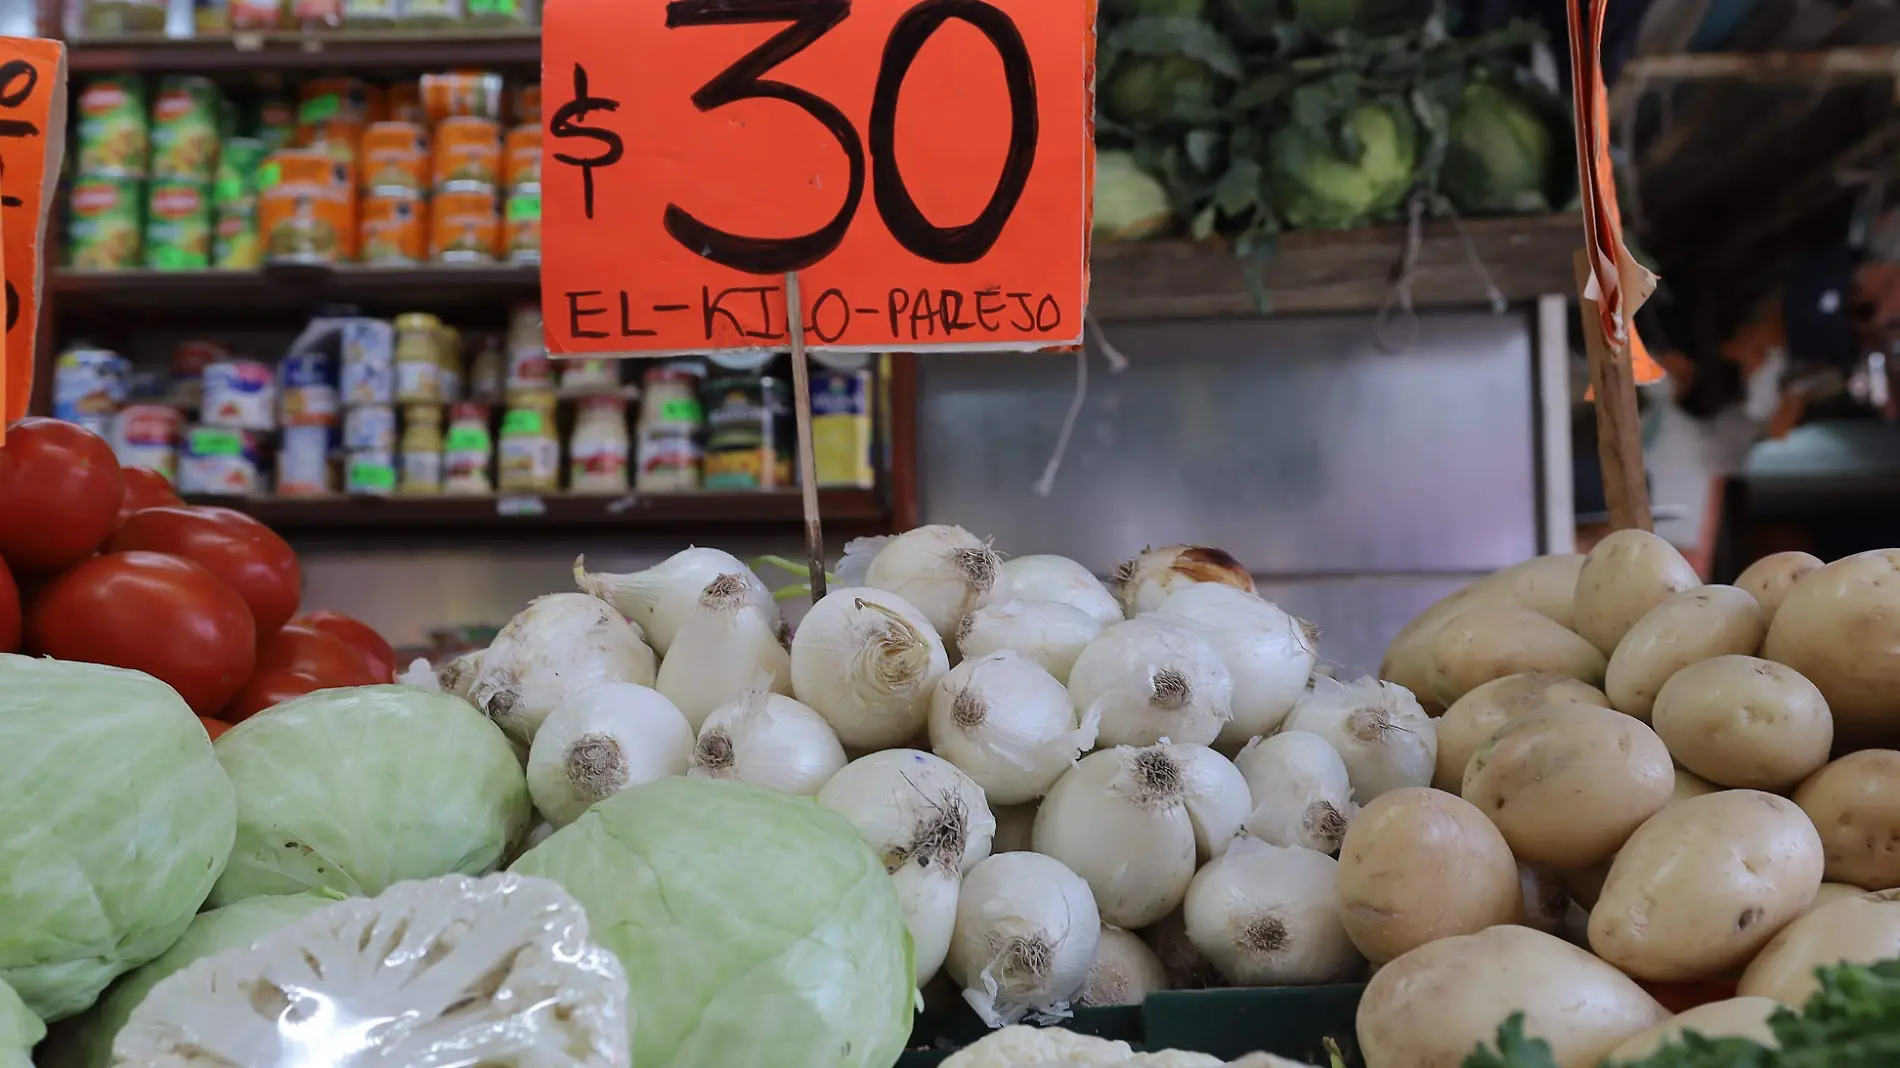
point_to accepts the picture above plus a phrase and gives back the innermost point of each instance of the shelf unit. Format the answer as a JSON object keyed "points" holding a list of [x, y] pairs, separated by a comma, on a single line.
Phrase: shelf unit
{"points": [[328, 52]]}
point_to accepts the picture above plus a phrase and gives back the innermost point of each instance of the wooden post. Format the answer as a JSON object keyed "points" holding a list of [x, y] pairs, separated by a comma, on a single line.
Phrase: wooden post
{"points": [[1619, 429], [807, 462]]}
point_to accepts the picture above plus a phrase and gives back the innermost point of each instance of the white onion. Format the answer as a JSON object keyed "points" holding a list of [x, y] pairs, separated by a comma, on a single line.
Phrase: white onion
{"points": [[1268, 915], [1062, 580], [422, 675], [768, 739], [1119, 819], [855, 567], [458, 675], [867, 661], [1151, 679], [913, 806], [1143, 583], [1125, 971], [601, 741], [1027, 932], [1187, 969], [1014, 824], [947, 572], [1217, 796], [1302, 793], [1378, 729], [1049, 633], [558, 646], [726, 646], [927, 896], [1269, 653], [660, 598], [1009, 725]]}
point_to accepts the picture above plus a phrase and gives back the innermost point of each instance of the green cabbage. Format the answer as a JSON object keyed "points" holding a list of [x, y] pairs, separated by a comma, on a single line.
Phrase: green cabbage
{"points": [[20, 1030], [1129, 203], [1501, 153], [117, 823], [357, 788], [1154, 90], [1313, 187], [755, 927], [86, 1042]]}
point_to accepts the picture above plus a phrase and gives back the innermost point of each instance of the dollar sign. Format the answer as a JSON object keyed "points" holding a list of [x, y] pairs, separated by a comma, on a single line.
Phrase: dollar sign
{"points": [[569, 120]]}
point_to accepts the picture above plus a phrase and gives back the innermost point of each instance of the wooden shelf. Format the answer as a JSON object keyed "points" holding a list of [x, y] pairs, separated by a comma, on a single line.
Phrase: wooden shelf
{"points": [[82, 295], [776, 512], [338, 52]]}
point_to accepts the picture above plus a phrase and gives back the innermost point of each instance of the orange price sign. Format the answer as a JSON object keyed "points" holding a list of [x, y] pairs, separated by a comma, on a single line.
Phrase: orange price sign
{"points": [[32, 140], [922, 165]]}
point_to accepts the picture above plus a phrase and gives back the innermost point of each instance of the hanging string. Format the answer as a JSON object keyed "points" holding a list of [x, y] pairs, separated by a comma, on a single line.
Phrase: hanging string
{"points": [[1117, 362], [1399, 297]]}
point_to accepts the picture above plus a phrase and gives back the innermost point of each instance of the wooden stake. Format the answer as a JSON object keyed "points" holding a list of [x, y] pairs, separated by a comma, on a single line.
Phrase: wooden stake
{"points": [[1619, 430], [807, 462]]}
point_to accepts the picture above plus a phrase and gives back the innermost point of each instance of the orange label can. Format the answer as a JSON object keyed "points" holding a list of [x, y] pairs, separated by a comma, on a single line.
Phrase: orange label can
{"points": [[528, 104], [403, 103], [464, 227], [467, 154], [395, 226], [306, 208], [395, 156], [521, 157], [461, 94]]}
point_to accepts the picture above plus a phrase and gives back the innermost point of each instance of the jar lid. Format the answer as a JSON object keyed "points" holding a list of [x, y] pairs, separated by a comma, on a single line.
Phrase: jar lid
{"points": [[469, 412], [417, 321]]}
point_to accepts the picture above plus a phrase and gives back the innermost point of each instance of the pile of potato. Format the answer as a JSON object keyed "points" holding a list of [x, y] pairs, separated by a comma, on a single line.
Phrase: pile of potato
{"points": [[1642, 781]]}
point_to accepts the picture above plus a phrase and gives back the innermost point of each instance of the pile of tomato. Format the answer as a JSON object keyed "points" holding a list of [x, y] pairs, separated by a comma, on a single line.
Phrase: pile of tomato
{"points": [[107, 565]]}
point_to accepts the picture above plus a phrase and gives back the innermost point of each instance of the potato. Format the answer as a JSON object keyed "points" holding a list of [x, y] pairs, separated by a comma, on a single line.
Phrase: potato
{"points": [[1432, 1007], [1689, 784], [1840, 627], [1744, 722], [1701, 887], [1832, 892], [1544, 584], [1475, 717], [1769, 579], [1863, 929], [1474, 647], [1627, 574], [1734, 1018], [1568, 785], [1418, 865], [1687, 627], [1855, 804]]}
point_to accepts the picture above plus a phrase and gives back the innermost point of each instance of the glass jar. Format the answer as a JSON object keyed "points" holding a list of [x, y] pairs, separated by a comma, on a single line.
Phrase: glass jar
{"points": [[468, 452], [418, 358], [668, 449], [530, 450], [529, 369], [421, 449], [450, 349], [597, 451], [590, 375], [488, 372]]}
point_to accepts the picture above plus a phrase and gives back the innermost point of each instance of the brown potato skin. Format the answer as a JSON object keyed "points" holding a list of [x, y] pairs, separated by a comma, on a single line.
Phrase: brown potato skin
{"points": [[1840, 627], [1475, 647], [1687, 627], [1744, 722], [1543, 584], [1419, 865], [1568, 785], [1855, 804], [1700, 888], [1628, 573], [1474, 718], [1862, 929], [1770, 578], [1735, 1017]]}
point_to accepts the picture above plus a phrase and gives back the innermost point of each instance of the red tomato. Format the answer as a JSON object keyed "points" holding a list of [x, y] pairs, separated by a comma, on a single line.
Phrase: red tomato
{"points": [[144, 488], [268, 688], [246, 554], [302, 648], [9, 611], [163, 615], [214, 727], [359, 636], [60, 489]]}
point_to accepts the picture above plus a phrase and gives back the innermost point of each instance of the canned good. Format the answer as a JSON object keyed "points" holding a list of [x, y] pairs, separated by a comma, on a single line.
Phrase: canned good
{"points": [[521, 157], [185, 128], [88, 382], [370, 426], [523, 225], [103, 230], [467, 154], [113, 137], [338, 138], [255, 14], [322, 99], [239, 394], [178, 224], [309, 389], [306, 208], [461, 93], [463, 228], [369, 361], [528, 104], [395, 156], [276, 122], [394, 227], [303, 462], [234, 243], [370, 472], [188, 363], [146, 435], [238, 163], [221, 461], [402, 102]]}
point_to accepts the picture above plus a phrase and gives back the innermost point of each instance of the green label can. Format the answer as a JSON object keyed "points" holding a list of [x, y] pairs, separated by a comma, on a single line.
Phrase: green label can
{"points": [[235, 245], [238, 164], [104, 228], [113, 137], [178, 225], [185, 128]]}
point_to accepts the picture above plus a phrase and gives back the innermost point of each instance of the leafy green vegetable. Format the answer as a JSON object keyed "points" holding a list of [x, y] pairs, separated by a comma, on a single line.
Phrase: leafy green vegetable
{"points": [[117, 821], [1853, 1021], [20, 1030], [755, 927], [1319, 183], [358, 788], [1500, 159], [86, 1041], [1129, 202]]}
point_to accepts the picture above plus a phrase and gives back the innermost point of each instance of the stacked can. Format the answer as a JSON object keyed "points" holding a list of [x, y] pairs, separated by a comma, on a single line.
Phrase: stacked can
{"points": [[224, 452], [368, 384], [395, 180], [113, 139], [521, 159], [235, 245], [185, 140], [465, 226], [311, 408]]}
